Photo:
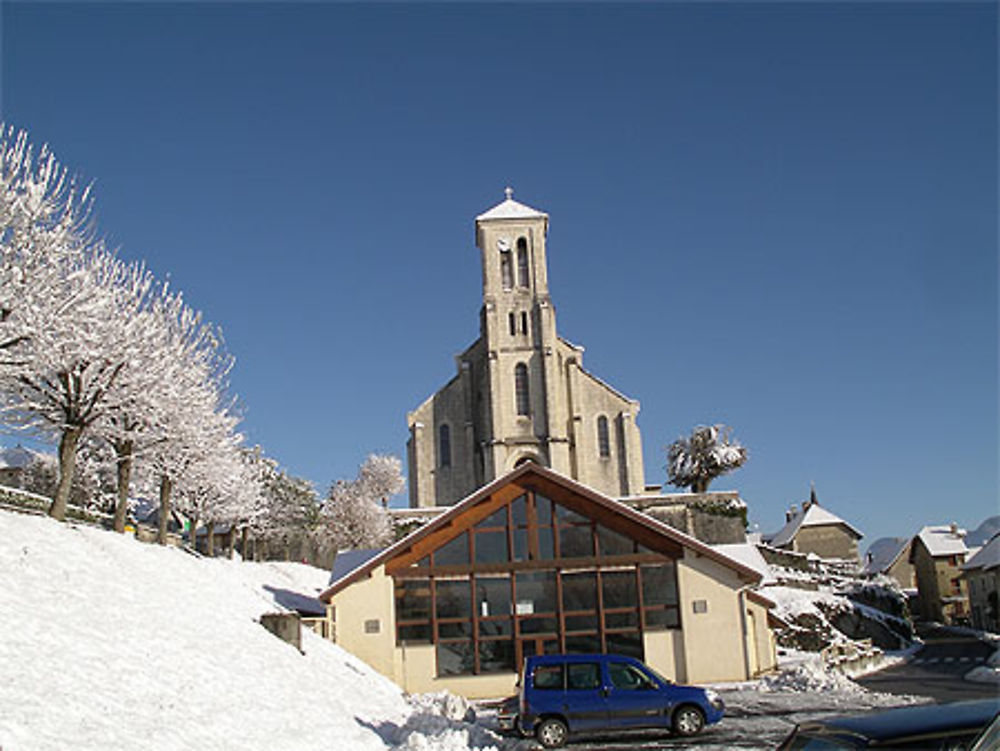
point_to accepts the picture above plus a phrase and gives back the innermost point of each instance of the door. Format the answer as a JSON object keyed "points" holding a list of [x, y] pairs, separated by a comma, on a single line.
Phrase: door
{"points": [[634, 699], [585, 704]]}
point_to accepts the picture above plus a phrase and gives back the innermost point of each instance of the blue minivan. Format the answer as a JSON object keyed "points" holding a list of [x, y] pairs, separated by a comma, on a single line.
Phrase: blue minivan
{"points": [[564, 694]]}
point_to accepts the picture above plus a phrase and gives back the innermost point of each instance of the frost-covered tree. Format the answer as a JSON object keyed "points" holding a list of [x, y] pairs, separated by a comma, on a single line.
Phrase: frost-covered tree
{"points": [[72, 365], [42, 219], [172, 349], [354, 514], [694, 461], [195, 417], [288, 512], [381, 477], [67, 307], [210, 488]]}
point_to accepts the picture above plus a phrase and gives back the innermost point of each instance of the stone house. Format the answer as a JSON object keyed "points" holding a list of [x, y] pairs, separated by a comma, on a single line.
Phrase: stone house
{"points": [[14, 463], [937, 554], [520, 392], [981, 573], [536, 562], [891, 557], [814, 529]]}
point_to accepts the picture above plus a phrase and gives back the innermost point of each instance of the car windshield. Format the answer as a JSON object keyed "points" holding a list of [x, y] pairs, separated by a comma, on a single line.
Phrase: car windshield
{"points": [[657, 676]]}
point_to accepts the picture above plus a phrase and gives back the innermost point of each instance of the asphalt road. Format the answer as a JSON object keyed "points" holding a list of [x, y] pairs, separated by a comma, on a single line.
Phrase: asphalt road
{"points": [[937, 669], [761, 721]]}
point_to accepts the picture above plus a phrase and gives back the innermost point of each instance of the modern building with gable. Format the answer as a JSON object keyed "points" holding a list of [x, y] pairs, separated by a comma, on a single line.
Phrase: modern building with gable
{"points": [[521, 392], [535, 563]]}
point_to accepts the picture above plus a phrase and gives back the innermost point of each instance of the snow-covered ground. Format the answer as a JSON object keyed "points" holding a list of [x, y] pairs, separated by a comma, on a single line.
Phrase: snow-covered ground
{"points": [[988, 673], [109, 643]]}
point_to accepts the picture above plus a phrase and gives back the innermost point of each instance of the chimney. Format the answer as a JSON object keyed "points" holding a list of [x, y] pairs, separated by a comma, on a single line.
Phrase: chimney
{"points": [[791, 514]]}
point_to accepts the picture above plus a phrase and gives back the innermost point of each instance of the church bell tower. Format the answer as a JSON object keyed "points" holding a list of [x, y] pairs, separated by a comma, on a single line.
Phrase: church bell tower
{"points": [[520, 392], [518, 329]]}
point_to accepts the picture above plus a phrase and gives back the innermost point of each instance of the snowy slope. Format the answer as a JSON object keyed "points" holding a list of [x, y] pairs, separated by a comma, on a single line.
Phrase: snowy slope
{"points": [[108, 643]]}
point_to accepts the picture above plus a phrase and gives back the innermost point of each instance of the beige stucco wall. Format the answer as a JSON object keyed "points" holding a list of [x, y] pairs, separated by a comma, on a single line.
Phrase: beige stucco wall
{"points": [[664, 651], [367, 600], [714, 643], [762, 648]]}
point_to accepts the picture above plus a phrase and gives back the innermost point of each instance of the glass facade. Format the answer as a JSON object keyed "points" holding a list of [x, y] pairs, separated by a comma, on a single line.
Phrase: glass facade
{"points": [[533, 577]]}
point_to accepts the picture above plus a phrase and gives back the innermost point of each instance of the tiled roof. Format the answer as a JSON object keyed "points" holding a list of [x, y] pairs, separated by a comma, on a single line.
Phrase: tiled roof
{"points": [[884, 553], [986, 558]]}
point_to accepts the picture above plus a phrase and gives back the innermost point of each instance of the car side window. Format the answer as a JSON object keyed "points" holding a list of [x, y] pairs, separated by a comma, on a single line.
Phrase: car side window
{"points": [[548, 678], [626, 677], [583, 676]]}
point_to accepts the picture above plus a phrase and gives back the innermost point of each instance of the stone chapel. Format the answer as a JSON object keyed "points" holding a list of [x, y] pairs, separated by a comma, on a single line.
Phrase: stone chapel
{"points": [[520, 392]]}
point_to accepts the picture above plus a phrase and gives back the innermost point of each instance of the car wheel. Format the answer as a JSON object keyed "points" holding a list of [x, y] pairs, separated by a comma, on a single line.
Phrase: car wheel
{"points": [[551, 732], [688, 720]]}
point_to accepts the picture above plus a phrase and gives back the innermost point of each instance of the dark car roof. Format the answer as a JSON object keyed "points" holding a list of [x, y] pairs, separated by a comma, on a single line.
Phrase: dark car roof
{"points": [[544, 659], [924, 719]]}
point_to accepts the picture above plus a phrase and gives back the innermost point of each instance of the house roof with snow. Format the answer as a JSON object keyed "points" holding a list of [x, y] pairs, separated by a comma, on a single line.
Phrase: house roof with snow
{"points": [[748, 554], [17, 457], [943, 540], [814, 515], [884, 553], [347, 561], [511, 209], [986, 558], [616, 515]]}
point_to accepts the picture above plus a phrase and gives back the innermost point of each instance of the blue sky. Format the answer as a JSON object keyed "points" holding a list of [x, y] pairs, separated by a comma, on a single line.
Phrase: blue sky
{"points": [[778, 216]]}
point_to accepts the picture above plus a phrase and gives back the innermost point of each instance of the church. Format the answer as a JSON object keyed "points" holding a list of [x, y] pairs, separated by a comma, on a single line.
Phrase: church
{"points": [[535, 532], [521, 392]]}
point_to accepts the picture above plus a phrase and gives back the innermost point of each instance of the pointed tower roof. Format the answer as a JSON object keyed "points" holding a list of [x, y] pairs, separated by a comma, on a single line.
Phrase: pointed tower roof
{"points": [[511, 209]]}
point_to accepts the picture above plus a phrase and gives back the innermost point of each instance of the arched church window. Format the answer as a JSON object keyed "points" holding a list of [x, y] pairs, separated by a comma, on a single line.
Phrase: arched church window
{"points": [[603, 442], [506, 269], [521, 389], [522, 262], [444, 445]]}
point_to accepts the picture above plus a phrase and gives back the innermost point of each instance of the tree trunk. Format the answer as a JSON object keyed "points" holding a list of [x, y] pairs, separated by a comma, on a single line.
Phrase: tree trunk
{"points": [[124, 451], [165, 485], [193, 533], [244, 538], [67, 464], [232, 543], [210, 539]]}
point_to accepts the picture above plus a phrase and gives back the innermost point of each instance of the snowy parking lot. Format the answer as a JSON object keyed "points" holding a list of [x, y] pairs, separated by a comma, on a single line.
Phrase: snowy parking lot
{"points": [[759, 714]]}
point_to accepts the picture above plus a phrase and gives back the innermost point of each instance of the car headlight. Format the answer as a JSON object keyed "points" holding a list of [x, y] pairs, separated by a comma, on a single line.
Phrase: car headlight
{"points": [[713, 698]]}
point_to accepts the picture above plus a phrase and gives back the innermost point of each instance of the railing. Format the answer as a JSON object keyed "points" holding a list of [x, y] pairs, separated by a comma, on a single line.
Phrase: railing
{"points": [[25, 502]]}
